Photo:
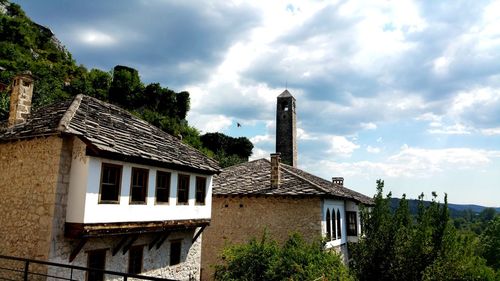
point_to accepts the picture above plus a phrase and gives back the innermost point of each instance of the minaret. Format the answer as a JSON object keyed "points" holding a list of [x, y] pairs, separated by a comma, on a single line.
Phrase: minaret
{"points": [[286, 128]]}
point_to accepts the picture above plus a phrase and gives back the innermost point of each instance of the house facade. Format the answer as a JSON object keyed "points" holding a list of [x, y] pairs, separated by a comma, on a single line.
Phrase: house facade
{"points": [[276, 196], [86, 183]]}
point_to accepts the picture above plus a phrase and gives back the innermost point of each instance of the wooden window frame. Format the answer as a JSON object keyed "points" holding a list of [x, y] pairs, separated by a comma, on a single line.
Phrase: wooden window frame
{"points": [[102, 184], [167, 187], [132, 251], [351, 220], [178, 259], [179, 176], [135, 185], [201, 187], [100, 251]]}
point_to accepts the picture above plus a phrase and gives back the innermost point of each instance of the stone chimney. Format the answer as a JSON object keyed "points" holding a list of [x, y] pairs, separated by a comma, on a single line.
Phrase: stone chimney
{"points": [[275, 170], [338, 181], [20, 98]]}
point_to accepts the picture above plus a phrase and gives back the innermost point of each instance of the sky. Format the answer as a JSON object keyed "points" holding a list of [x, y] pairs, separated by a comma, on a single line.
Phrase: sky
{"points": [[404, 91]]}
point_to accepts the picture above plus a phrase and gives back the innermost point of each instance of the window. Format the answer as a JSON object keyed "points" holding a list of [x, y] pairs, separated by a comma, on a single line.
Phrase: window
{"points": [[139, 185], [328, 226], [135, 259], [183, 189], [175, 252], [110, 183], [339, 228], [201, 190], [97, 260], [352, 223], [162, 187], [334, 225]]}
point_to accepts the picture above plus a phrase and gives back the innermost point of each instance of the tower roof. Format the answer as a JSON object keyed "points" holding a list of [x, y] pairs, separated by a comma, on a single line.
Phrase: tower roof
{"points": [[285, 94]]}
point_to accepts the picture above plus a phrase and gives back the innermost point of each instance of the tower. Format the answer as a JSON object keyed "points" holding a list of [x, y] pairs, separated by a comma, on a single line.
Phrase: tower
{"points": [[286, 128]]}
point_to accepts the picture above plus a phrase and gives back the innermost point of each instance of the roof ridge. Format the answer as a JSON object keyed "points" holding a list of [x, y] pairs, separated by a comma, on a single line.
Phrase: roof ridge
{"points": [[319, 188], [70, 112]]}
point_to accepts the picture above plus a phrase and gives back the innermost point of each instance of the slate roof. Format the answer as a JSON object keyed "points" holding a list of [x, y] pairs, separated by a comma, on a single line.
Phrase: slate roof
{"points": [[110, 129], [254, 178], [285, 94]]}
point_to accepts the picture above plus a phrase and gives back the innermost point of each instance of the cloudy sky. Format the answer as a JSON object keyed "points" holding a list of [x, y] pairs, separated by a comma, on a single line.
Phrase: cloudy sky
{"points": [[406, 91]]}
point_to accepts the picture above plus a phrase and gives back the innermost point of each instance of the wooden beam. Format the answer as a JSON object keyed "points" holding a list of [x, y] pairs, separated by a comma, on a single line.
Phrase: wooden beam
{"points": [[198, 233], [77, 249], [129, 243], [119, 245], [160, 242], [154, 241]]}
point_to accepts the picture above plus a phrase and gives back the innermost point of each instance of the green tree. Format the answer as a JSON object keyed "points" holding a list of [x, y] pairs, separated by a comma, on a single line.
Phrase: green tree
{"points": [[397, 246], [490, 243], [265, 259], [126, 87]]}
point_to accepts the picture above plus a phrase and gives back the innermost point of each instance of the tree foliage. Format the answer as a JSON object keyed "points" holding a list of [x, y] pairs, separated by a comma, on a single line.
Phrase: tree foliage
{"points": [[398, 246], [25, 45], [265, 259]]}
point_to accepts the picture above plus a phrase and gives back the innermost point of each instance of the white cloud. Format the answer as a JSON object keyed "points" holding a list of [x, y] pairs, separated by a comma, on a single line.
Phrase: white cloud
{"points": [[457, 129], [341, 146], [262, 139], [491, 131], [96, 38], [374, 150], [410, 162], [216, 123]]}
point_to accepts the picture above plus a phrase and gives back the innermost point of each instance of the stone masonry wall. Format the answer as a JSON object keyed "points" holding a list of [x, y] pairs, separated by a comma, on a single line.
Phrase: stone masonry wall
{"points": [[238, 219], [29, 176], [155, 261]]}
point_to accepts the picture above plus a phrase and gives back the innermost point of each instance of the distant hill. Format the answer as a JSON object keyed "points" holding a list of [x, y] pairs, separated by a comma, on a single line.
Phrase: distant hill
{"points": [[455, 209]]}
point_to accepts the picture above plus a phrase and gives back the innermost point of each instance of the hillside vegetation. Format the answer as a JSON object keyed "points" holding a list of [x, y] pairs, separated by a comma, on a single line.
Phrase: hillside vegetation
{"points": [[25, 45]]}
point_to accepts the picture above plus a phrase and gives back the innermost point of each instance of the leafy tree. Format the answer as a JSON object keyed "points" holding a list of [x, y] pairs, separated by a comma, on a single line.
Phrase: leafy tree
{"points": [[265, 259], [490, 243], [126, 86], [397, 246]]}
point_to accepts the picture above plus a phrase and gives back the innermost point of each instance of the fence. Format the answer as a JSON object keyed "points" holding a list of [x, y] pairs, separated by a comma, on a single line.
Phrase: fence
{"points": [[15, 269]]}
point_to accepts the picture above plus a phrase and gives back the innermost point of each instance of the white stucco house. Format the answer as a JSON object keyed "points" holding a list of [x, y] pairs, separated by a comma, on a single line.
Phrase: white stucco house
{"points": [[110, 190]]}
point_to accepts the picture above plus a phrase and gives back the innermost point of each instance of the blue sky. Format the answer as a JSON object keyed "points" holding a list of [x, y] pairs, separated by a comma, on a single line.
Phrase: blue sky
{"points": [[406, 91]]}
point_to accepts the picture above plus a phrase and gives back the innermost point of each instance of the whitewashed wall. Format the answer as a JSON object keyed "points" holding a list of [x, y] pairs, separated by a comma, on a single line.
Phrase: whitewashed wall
{"points": [[83, 196], [337, 205], [353, 207]]}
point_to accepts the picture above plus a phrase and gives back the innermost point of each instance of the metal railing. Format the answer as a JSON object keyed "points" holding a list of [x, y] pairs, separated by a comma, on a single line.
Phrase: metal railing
{"points": [[15, 269]]}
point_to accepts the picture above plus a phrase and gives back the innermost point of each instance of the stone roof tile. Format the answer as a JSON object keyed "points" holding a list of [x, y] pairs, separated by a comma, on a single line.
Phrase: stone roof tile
{"points": [[110, 128], [254, 178]]}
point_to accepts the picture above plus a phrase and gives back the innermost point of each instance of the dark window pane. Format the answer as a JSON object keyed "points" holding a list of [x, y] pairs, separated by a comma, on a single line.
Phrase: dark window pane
{"points": [[352, 224], [110, 182], [162, 187], [135, 259], [183, 189], [97, 260], [139, 185], [334, 225], [339, 228], [328, 226], [175, 252], [201, 184]]}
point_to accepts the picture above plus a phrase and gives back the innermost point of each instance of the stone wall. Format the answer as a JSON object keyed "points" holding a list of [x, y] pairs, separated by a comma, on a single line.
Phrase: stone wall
{"points": [[29, 172], [238, 219]]}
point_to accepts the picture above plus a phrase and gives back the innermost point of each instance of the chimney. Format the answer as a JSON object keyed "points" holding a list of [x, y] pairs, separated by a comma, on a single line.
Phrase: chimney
{"points": [[338, 181], [275, 170], [20, 98]]}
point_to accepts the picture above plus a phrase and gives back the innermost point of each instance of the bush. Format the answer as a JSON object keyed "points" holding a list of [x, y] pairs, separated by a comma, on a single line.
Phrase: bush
{"points": [[265, 259]]}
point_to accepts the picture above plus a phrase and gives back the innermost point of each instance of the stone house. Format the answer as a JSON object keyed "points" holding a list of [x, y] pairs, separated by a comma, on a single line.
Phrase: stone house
{"points": [[86, 183], [261, 194]]}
